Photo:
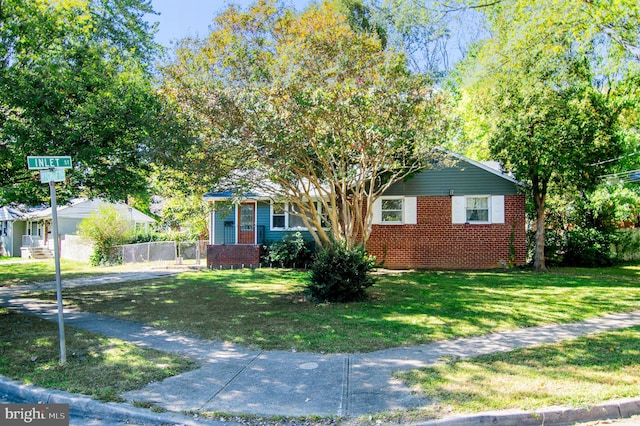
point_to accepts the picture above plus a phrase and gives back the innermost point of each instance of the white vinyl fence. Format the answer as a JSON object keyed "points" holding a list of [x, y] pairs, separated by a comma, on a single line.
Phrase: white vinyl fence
{"points": [[161, 251]]}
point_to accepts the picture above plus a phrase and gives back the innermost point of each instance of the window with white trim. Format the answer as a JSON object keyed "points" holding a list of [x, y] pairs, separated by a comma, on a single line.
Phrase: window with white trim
{"points": [[392, 210], [477, 209], [395, 211], [286, 216], [278, 216], [295, 218]]}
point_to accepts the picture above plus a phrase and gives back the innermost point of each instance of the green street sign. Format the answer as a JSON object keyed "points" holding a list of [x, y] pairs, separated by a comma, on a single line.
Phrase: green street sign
{"points": [[51, 175], [40, 163]]}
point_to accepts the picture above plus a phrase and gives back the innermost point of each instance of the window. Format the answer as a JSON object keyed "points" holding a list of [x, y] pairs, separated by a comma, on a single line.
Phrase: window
{"points": [[477, 209], [295, 218], [278, 216], [392, 210], [395, 211], [287, 216]]}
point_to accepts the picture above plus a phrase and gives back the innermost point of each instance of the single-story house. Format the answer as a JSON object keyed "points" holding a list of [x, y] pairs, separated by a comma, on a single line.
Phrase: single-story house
{"points": [[11, 224], [464, 215], [31, 229]]}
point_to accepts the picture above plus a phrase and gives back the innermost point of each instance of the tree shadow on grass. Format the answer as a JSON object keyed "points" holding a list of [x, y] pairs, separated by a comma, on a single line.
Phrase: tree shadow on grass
{"points": [[265, 307]]}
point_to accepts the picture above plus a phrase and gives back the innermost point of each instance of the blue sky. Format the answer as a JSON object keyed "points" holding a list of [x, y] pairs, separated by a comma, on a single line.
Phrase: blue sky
{"points": [[181, 18]]}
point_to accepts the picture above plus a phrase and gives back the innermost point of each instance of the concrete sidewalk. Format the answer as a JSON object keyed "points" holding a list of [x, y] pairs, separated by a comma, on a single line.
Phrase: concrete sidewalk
{"points": [[238, 380]]}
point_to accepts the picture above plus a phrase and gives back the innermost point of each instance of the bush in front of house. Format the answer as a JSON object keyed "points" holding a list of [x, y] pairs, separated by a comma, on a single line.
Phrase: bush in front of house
{"points": [[106, 228], [291, 252], [340, 274]]}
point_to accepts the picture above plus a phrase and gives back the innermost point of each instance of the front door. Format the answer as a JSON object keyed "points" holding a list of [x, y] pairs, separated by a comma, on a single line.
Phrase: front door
{"points": [[246, 223]]}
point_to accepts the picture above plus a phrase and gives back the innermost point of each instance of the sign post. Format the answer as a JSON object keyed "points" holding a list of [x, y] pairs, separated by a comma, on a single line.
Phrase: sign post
{"points": [[52, 171]]}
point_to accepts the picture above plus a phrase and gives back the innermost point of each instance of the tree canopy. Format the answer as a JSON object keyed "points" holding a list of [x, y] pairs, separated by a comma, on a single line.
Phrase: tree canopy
{"points": [[548, 93], [75, 79], [308, 109]]}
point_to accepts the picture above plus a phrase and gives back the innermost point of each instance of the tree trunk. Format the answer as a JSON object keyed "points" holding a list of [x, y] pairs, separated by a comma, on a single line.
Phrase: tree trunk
{"points": [[538, 259]]}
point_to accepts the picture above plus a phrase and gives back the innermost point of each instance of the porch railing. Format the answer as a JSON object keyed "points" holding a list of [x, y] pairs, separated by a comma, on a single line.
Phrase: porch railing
{"points": [[31, 241], [230, 233]]}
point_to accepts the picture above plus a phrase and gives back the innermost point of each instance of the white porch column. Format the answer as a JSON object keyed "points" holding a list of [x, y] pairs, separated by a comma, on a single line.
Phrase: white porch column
{"points": [[212, 223]]}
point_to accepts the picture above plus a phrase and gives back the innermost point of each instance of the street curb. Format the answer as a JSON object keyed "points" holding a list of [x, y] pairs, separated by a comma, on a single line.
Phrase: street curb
{"points": [[84, 405], [616, 409]]}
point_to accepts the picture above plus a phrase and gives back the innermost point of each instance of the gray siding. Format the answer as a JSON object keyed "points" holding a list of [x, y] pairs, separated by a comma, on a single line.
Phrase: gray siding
{"points": [[6, 241], [464, 179], [18, 229], [67, 225]]}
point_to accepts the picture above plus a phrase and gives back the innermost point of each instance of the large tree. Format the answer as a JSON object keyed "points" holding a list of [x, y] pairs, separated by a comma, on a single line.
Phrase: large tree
{"points": [[308, 108], [75, 79], [547, 92], [433, 34]]}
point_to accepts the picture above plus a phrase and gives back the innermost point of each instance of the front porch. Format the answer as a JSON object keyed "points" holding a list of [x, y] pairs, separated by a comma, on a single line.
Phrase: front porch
{"points": [[240, 248], [36, 248]]}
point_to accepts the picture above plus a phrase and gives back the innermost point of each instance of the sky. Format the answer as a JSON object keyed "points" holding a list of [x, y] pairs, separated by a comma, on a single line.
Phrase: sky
{"points": [[182, 18]]}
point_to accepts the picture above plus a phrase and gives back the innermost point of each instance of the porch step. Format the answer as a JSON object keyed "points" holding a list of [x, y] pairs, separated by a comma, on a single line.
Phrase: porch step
{"points": [[40, 253]]}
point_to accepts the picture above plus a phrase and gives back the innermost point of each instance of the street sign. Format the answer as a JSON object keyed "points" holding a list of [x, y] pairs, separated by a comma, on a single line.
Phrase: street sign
{"points": [[39, 163], [51, 175], [51, 171]]}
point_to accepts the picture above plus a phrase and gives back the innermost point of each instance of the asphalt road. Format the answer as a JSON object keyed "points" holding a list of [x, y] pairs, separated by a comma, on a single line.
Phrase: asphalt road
{"points": [[632, 421], [75, 419]]}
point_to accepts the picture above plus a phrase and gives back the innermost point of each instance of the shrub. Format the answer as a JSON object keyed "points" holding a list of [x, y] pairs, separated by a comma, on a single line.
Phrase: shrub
{"points": [[627, 245], [341, 274], [588, 247], [144, 236], [291, 251], [554, 245], [106, 228]]}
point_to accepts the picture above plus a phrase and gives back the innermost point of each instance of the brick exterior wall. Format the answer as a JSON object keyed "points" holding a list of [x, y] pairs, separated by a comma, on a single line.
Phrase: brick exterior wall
{"points": [[233, 255], [436, 243]]}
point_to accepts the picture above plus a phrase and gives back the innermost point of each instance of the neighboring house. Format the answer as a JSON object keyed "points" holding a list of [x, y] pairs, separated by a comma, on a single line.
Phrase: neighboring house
{"points": [[468, 215], [11, 224], [33, 229]]}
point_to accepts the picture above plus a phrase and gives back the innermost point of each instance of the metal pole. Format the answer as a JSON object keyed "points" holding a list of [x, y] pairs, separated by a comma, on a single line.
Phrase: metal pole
{"points": [[56, 252]]}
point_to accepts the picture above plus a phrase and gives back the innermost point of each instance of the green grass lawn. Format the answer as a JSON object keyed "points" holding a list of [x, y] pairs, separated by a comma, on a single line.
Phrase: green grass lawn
{"points": [[267, 309], [98, 366], [578, 373], [14, 271]]}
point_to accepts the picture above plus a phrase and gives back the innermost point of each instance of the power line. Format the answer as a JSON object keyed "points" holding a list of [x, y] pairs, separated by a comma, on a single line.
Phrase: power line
{"points": [[629, 176], [599, 163]]}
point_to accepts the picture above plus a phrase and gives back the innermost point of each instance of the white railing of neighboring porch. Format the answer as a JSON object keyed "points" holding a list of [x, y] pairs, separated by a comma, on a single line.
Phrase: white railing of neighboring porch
{"points": [[31, 241]]}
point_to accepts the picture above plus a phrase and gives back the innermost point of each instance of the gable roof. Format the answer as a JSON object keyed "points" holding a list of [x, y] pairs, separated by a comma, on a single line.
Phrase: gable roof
{"points": [[9, 214], [491, 167], [488, 166], [81, 208]]}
